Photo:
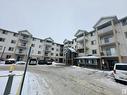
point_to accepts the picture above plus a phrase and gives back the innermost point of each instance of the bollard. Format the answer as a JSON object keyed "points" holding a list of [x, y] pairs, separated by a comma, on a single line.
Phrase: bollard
{"points": [[12, 68]]}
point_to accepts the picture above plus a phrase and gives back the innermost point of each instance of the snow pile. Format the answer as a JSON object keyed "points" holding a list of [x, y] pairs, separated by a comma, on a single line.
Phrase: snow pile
{"points": [[31, 85]]}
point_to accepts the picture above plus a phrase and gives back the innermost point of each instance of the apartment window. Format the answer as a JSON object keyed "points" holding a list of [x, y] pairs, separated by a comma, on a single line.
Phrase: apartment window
{"points": [[94, 51], [56, 54], [8, 56], [56, 49], [1, 47], [33, 45], [4, 32], [93, 42], [13, 41], [52, 48], [124, 22], [23, 44], [39, 52], [41, 40], [125, 34], [51, 53], [61, 54], [15, 34], [20, 50], [39, 46], [2, 39], [92, 33], [10, 49]]}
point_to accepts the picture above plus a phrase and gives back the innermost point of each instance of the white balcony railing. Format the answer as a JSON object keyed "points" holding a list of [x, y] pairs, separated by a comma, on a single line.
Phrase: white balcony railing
{"points": [[80, 39], [105, 30], [108, 41]]}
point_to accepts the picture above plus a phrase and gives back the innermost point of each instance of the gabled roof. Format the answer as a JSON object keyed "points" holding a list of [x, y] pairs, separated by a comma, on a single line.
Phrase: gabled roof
{"points": [[65, 41], [79, 32], [104, 20], [49, 39], [25, 32]]}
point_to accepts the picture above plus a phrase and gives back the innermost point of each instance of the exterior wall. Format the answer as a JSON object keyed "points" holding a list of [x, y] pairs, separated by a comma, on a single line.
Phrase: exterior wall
{"points": [[7, 43], [109, 27], [38, 50], [90, 46], [38, 47]]}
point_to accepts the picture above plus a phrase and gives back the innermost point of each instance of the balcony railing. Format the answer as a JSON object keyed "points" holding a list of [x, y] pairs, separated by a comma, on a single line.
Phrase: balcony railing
{"points": [[110, 41], [104, 31], [80, 39], [108, 54]]}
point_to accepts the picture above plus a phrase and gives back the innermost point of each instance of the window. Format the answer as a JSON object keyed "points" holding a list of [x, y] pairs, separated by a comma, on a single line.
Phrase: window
{"points": [[39, 52], [33, 45], [108, 39], [23, 44], [39, 46], [56, 49], [125, 34], [2, 39], [93, 42], [52, 48], [8, 56], [92, 33], [15, 34], [51, 53], [13, 41], [56, 54], [1, 47], [94, 51], [10, 49], [41, 40], [20, 50], [124, 22], [4, 32]]}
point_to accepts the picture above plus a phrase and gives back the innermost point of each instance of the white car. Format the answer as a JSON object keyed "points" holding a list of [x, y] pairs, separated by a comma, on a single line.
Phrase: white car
{"points": [[20, 62], [120, 71]]}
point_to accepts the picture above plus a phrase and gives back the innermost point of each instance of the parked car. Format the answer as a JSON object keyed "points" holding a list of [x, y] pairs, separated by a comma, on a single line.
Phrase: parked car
{"points": [[21, 62], [10, 61], [120, 72], [49, 62], [33, 62], [42, 62]]}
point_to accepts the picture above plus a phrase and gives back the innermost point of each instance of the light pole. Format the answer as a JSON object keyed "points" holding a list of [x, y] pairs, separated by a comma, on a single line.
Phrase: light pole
{"points": [[25, 71]]}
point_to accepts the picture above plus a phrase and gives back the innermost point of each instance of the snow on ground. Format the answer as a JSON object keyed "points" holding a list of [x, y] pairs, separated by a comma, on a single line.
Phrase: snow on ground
{"points": [[105, 77], [31, 85]]}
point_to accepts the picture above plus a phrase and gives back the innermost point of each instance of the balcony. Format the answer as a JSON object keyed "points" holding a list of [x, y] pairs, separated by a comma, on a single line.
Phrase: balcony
{"points": [[109, 53], [105, 31], [107, 42], [22, 46], [21, 52], [80, 39]]}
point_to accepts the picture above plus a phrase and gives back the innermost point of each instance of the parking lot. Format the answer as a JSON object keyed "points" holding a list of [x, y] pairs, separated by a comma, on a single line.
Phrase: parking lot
{"points": [[59, 79]]}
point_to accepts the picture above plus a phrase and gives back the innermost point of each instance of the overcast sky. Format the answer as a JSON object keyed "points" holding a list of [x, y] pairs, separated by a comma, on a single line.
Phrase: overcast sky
{"points": [[58, 19]]}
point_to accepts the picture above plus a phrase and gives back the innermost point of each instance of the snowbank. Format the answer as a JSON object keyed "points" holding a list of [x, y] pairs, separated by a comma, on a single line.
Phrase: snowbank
{"points": [[31, 84]]}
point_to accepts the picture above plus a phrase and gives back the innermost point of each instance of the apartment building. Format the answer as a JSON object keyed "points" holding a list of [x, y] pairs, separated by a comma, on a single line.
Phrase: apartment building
{"points": [[106, 44], [16, 45], [111, 39]]}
